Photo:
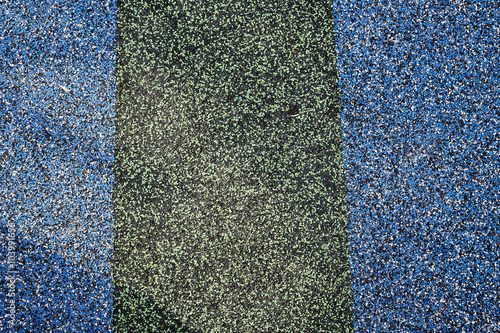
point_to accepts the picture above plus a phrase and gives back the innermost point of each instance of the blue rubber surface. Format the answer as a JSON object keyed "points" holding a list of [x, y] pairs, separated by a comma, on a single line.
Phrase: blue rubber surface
{"points": [[420, 85], [56, 164]]}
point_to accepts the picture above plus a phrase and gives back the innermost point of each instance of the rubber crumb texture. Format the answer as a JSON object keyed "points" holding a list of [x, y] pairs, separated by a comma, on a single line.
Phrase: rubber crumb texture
{"points": [[229, 195], [56, 162], [419, 84]]}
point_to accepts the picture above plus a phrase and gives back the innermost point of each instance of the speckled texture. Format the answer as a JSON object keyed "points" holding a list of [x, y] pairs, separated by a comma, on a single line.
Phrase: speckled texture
{"points": [[56, 163], [229, 195], [420, 90], [419, 83]]}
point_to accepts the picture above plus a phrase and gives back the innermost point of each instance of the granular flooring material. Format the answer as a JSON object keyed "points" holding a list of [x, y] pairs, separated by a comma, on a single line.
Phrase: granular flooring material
{"points": [[56, 165], [229, 198], [420, 89], [249, 166]]}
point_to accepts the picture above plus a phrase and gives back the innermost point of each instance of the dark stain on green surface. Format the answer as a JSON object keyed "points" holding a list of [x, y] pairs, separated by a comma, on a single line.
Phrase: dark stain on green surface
{"points": [[134, 313], [229, 190]]}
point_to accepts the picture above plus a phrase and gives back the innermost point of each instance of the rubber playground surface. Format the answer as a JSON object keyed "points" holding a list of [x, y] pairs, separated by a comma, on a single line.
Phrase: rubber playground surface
{"points": [[249, 166]]}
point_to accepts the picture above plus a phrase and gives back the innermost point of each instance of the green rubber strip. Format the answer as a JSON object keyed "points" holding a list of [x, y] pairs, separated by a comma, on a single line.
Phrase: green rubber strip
{"points": [[229, 190]]}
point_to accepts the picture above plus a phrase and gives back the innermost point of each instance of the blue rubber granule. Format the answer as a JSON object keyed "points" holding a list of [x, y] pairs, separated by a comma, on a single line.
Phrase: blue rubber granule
{"points": [[56, 165], [419, 84]]}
